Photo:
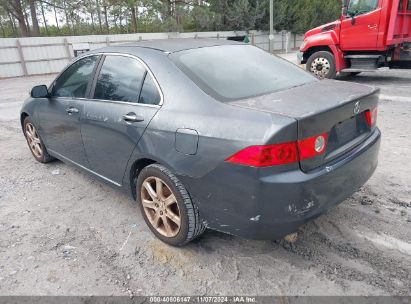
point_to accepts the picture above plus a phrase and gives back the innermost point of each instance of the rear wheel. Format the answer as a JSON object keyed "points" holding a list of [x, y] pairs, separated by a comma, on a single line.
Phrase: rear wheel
{"points": [[322, 65], [36, 145], [167, 207]]}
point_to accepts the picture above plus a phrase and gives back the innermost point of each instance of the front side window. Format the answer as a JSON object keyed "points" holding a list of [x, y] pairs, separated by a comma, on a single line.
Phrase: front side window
{"points": [[360, 7], [234, 72], [120, 79], [73, 82]]}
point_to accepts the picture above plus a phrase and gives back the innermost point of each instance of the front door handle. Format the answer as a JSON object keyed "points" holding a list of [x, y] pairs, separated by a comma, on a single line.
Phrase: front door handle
{"points": [[132, 117], [72, 110], [372, 26]]}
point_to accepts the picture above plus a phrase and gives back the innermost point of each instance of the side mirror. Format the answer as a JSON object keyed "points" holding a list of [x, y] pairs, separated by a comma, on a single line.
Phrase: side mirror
{"points": [[39, 91], [353, 20]]}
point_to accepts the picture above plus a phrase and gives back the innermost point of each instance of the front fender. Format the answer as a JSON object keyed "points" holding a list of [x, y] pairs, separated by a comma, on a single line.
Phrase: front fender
{"points": [[325, 40], [28, 108], [322, 39]]}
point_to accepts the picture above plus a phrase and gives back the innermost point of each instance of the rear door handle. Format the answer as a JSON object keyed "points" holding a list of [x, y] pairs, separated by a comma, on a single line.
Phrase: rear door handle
{"points": [[72, 110], [132, 117], [372, 26]]}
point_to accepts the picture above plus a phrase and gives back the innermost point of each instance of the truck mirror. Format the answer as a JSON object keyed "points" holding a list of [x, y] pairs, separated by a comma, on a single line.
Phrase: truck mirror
{"points": [[353, 20]]}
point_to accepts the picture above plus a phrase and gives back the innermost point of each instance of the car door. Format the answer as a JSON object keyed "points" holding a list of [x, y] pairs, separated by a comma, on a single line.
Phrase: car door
{"points": [[124, 99], [60, 114], [359, 29]]}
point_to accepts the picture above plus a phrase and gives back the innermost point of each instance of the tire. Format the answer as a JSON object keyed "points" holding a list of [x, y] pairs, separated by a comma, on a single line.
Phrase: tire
{"points": [[160, 217], [322, 65], [35, 143]]}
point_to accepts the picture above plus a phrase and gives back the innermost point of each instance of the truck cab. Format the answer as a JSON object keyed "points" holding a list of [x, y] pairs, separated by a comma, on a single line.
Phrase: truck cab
{"points": [[369, 34]]}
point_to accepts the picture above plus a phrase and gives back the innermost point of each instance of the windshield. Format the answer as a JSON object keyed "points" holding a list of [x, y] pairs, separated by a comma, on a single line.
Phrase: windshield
{"points": [[234, 72]]}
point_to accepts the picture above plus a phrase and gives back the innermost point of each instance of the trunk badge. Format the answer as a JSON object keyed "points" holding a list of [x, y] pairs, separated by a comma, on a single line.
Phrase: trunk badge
{"points": [[357, 107]]}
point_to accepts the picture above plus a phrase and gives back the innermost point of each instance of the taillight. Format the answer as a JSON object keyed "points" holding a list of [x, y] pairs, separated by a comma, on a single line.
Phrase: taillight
{"points": [[281, 154], [371, 117], [266, 156], [313, 146]]}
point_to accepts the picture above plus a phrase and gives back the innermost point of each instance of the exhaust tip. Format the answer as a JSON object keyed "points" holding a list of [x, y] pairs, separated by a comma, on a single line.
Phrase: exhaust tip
{"points": [[291, 238]]}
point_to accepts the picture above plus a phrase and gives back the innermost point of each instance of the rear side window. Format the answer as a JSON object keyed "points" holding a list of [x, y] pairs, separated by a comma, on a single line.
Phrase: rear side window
{"points": [[120, 79], [73, 82], [149, 93], [234, 72]]}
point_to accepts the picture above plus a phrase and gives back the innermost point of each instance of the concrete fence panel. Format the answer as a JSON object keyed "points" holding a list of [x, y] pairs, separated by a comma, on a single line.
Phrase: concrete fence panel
{"points": [[43, 55]]}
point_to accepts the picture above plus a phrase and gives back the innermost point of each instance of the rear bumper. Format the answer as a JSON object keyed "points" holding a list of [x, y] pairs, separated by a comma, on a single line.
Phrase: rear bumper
{"points": [[259, 206]]}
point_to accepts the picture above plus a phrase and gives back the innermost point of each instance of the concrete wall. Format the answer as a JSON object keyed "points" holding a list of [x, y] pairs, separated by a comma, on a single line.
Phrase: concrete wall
{"points": [[44, 55]]}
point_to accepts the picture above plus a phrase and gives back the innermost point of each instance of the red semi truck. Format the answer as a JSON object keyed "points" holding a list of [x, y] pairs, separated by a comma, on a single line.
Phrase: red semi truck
{"points": [[370, 34]]}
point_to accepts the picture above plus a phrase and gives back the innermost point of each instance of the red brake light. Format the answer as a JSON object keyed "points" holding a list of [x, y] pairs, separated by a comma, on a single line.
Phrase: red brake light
{"points": [[313, 146], [371, 117], [281, 154], [266, 156]]}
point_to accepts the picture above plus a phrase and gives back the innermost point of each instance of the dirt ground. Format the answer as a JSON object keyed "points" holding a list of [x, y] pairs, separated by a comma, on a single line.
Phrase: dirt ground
{"points": [[64, 233]]}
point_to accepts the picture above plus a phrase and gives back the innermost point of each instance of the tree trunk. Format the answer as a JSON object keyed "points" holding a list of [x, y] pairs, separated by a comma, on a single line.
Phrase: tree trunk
{"points": [[99, 15], [169, 9], [73, 23], [26, 17], [33, 13], [44, 18], [66, 15], [92, 22], [57, 19], [106, 18], [134, 19], [120, 17], [13, 25], [18, 13], [2, 28]]}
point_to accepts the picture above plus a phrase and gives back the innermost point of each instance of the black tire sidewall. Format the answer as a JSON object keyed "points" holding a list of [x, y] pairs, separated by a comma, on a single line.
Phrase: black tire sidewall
{"points": [[154, 171], [330, 57]]}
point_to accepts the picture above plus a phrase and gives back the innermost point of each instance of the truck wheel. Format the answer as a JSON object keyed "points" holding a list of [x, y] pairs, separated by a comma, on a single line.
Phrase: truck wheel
{"points": [[322, 65]]}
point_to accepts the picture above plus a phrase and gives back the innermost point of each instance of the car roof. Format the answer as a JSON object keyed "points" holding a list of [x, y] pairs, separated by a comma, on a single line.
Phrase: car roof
{"points": [[173, 45]]}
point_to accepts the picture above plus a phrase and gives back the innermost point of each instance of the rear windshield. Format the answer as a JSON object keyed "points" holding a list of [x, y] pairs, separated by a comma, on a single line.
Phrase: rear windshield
{"points": [[232, 72]]}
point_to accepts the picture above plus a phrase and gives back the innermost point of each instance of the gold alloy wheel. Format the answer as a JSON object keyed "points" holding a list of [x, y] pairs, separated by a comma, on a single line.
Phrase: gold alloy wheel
{"points": [[160, 206], [34, 140]]}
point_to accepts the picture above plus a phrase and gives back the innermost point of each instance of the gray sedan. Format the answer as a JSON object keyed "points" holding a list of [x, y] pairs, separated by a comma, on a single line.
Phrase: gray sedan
{"points": [[208, 134]]}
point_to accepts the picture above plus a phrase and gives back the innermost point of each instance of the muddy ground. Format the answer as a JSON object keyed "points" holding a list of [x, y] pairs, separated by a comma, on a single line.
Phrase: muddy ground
{"points": [[64, 233]]}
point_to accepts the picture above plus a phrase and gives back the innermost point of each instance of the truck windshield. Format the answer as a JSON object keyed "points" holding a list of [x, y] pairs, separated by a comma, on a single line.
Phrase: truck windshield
{"points": [[359, 7], [233, 72]]}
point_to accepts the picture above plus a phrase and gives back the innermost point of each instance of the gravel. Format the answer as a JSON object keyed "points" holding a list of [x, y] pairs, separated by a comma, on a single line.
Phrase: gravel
{"points": [[61, 230]]}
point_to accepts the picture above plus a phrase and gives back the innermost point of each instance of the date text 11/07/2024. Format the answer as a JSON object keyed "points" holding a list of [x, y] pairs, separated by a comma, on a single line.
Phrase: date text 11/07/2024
{"points": [[203, 299]]}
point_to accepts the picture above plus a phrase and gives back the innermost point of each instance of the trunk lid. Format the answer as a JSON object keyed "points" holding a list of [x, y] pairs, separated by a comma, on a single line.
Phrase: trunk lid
{"points": [[327, 106]]}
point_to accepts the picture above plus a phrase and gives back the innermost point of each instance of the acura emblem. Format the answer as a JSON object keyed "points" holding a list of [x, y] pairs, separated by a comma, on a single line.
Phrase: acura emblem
{"points": [[357, 107]]}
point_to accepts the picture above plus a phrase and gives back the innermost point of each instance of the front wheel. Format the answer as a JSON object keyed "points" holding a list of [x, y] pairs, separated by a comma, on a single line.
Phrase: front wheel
{"points": [[35, 143], [322, 65], [167, 207]]}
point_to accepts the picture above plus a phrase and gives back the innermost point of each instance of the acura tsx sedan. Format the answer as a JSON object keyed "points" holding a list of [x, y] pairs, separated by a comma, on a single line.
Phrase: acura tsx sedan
{"points": [[208, 134]]}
